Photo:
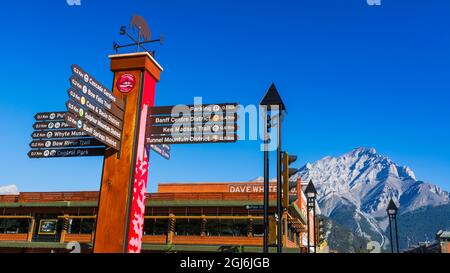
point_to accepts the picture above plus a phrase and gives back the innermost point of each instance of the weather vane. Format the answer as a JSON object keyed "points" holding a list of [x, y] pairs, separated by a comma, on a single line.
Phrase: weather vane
{"points": [[139, 25]]}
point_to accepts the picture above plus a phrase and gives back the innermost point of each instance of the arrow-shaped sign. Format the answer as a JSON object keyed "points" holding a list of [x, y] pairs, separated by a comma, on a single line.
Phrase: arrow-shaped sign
{"points": [[96, 85], [93, 131], [65, 143], [77, 152]]}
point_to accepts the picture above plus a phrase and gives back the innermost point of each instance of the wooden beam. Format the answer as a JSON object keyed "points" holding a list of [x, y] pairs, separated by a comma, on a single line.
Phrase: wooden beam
{"points": [[225, 217], [15, 217]]}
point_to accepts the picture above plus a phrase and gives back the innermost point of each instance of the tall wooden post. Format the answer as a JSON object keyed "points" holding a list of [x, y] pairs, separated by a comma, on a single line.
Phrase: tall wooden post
{"points": [[171, 231], [64, 229], [31, 229], [121, 209]]}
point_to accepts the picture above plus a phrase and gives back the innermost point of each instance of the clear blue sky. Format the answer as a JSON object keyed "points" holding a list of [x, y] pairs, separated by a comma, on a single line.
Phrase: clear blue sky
{"points": [[350, 74]]}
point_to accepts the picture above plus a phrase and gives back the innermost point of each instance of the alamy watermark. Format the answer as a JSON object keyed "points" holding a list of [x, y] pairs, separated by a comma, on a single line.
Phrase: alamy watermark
{"points": [[374, 2], [73, 2]]}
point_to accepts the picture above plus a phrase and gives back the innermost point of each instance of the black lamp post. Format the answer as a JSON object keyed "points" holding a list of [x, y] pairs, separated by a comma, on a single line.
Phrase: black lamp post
{"points": [[311, 194], [392, 210], [272, 102]]}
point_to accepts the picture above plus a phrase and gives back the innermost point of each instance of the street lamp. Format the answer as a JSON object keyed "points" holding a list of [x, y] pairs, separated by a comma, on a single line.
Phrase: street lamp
{"points": [[272, 102], [311, 194], [392, 210]]}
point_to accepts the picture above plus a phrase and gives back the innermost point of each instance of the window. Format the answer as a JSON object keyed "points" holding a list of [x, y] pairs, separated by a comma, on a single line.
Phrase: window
{"points": [[291, 235], [81, 226], [240, 228], [258, 228], [226, 227], [156, 226], [188, 227], [213, 227], [14, 226]]}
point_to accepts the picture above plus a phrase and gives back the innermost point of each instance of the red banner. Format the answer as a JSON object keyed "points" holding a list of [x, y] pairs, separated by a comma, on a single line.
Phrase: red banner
{"points": [[137, 212]]}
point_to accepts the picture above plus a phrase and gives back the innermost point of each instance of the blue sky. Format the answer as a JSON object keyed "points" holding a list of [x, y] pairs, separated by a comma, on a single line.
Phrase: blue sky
{"points": [[351, 75]]}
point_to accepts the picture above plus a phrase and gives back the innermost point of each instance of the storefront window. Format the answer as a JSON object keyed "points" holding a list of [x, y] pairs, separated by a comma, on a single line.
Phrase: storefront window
{"points": [[226, 227], [240, 228], [156, 226], [81, 226], [213, 227], [14, 226], [188, 227], [258, 228]]}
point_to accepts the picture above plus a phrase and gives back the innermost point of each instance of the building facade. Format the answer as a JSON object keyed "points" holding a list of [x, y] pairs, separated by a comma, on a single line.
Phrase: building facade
{"points": [[182, 217]]}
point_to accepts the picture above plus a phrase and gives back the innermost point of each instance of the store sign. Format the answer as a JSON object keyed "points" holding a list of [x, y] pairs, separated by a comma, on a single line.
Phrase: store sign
{"points": [[250, 188], [47, 227]]}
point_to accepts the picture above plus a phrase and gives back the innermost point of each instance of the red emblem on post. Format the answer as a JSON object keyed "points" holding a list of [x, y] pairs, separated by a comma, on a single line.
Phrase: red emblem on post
{"points": [[126, 83]]}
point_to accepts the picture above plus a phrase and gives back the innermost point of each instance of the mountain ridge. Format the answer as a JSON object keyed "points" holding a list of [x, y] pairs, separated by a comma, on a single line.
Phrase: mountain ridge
{"points": [[355, 188]]}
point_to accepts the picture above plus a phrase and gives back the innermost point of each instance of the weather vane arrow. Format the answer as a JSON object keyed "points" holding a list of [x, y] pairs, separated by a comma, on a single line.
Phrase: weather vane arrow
{"points": [[138, 24]]}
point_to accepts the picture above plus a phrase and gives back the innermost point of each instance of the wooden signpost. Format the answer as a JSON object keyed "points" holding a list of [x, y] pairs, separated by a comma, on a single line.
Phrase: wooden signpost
{"points": [[123, 126], [123, 190]]}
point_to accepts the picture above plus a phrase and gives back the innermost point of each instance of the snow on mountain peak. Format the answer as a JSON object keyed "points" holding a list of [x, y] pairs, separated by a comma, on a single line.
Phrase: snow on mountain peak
{"points": [[364, 150]]}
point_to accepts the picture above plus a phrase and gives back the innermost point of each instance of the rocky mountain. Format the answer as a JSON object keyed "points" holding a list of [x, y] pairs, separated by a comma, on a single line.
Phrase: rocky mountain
{"points": [[11, 189], [355, 188]]}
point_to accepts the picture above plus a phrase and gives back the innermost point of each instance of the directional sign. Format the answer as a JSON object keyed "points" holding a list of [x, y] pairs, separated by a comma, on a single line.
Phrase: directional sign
{"points": [[184, 139], [94, 131], [50, 116], [195, 128], [229, 108], [94, 109], [65, 143], [45, 125], [192, 124], [97, 86], [77, 152], [94, 102], [166, 147], [95, 120], [254, 207], [161, 150], [187, 119], [68, 133]]}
